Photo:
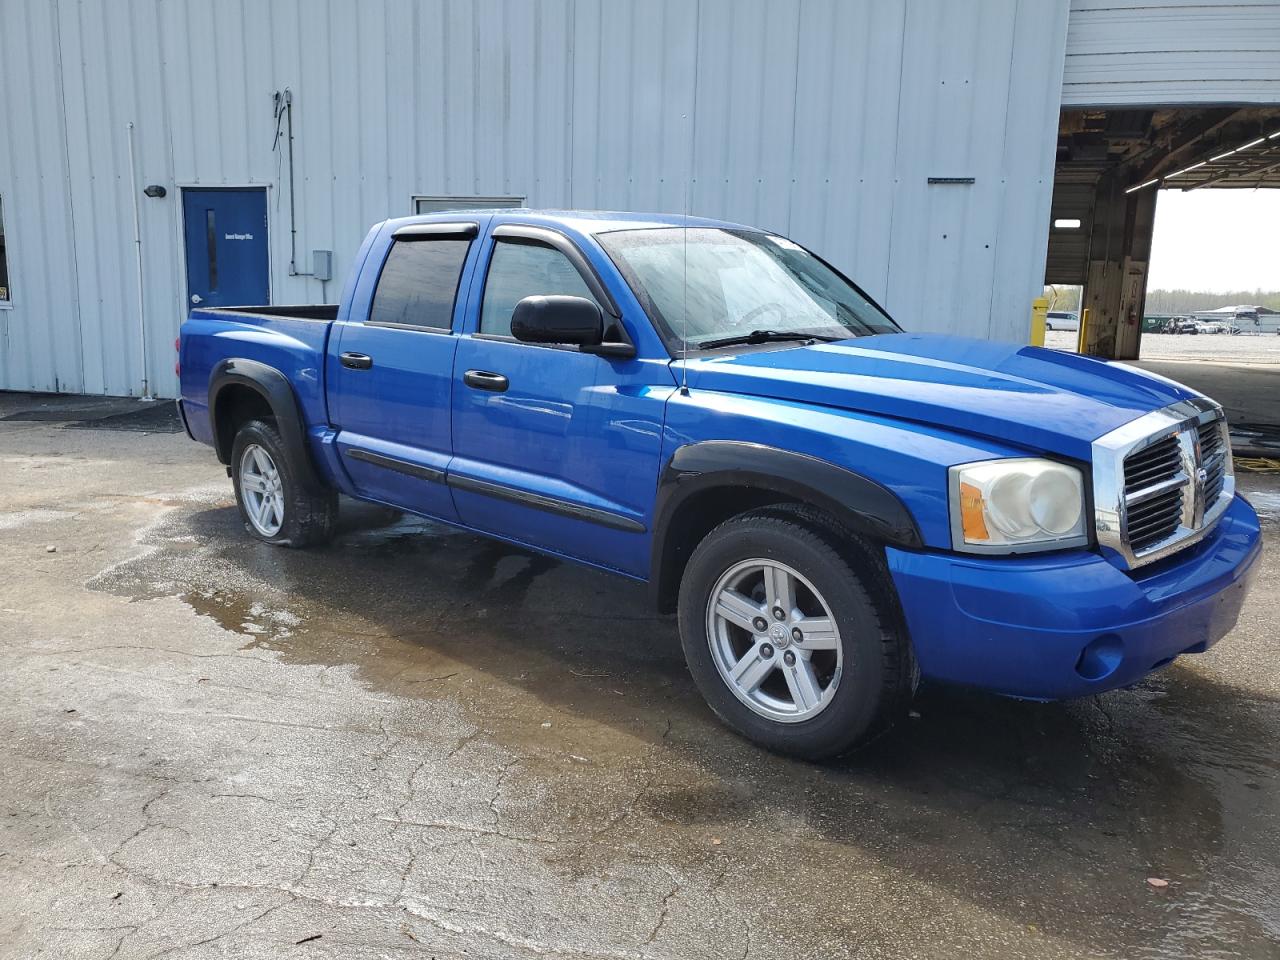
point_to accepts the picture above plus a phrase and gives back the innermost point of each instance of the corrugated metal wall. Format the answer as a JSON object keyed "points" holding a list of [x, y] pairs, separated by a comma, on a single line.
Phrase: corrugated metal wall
{"points": [[1171, 52], [823, 119]]}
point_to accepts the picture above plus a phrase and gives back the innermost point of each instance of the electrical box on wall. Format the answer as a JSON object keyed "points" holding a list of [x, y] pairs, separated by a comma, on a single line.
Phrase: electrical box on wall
{"points": [[322, 264]]}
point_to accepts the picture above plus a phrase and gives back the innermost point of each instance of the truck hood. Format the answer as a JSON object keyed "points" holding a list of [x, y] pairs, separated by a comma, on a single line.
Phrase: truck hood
{"points": [[1035, 398]]}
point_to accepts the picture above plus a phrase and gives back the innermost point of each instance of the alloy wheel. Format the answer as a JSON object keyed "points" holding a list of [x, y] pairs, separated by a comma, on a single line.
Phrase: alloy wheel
{"points": [[262, 489], [774, 640]]}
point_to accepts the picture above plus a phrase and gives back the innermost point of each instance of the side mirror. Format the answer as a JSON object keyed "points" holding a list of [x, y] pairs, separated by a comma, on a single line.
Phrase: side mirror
{"points": [[574, 320]]}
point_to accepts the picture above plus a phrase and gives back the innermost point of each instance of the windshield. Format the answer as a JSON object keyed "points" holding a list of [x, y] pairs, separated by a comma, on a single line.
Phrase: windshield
{"points": [[705, 285]]}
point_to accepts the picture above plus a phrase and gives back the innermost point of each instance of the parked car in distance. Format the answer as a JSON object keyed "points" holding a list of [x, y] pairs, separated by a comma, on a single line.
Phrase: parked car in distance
{"points": [[1061, 320], [1183, 325], [1215, 326], [833, 507]]}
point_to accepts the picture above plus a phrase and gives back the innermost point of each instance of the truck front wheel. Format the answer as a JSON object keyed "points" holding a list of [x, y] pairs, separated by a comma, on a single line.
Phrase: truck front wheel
{"points": [[791, 634], [275, 505]]}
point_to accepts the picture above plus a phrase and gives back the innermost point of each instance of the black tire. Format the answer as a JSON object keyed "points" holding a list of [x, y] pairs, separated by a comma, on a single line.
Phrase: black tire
{"points": [[879, 673], [309, 517]]}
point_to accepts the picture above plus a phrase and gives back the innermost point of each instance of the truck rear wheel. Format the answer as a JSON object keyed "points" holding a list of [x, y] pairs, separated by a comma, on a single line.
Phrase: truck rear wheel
{"points": [[792, 634], [275, 505]]}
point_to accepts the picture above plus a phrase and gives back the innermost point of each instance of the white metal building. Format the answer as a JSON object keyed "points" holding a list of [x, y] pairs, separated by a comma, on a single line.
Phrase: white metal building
{"points": [[911, 142]]}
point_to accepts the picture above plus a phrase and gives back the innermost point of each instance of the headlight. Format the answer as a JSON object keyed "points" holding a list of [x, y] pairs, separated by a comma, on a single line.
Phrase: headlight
{"points": [[1016, 506]]}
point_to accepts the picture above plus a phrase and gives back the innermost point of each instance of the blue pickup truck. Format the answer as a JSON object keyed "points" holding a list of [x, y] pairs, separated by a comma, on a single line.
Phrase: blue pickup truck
{"points": [[833, 507]]}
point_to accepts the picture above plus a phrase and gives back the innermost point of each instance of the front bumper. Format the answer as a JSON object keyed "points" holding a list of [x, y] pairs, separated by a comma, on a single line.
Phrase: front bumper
{"points": [[1072, 624]]}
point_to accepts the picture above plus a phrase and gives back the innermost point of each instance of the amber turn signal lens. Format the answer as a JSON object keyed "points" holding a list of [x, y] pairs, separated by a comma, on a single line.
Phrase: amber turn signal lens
{"points": [[972, 521]]}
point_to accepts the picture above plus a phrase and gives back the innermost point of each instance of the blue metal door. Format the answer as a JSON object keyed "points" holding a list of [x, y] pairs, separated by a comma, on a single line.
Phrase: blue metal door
{"points": [[226, 243], [390, 378], [553, 447]]}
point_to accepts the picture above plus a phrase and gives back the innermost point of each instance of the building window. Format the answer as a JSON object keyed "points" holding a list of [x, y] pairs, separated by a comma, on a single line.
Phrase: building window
{"points": [[4, 261], [442, 204]]}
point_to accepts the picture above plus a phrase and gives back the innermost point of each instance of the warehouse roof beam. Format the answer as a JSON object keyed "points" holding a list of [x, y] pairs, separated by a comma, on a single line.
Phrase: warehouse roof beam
{"points": [[1180, 137], [1249, 164]]}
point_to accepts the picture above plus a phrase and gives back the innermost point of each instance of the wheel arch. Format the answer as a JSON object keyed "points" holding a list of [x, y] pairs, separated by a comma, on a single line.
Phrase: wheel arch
{"points": [[709, 482], [240, 389]]}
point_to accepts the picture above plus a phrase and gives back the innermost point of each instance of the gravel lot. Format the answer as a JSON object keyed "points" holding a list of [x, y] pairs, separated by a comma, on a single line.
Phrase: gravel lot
{"points": [[1163, 346], [418, 743]]}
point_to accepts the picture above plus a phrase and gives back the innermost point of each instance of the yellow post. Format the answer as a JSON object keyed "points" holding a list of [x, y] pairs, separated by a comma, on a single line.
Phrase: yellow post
{"points": [[1082, 341], [1039, 307]]}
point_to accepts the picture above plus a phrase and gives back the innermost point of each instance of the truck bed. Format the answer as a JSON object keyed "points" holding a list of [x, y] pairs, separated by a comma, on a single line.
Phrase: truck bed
{"points": [[290, 339], [323, 312]]}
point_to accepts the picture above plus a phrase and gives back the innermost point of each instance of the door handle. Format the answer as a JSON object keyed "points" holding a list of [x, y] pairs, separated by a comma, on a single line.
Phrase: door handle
{"points": [[484, 380], [356, 361]]}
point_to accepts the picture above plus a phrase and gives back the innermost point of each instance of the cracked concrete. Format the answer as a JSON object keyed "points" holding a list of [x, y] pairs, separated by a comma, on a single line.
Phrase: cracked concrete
{"points": [[419, 743]]}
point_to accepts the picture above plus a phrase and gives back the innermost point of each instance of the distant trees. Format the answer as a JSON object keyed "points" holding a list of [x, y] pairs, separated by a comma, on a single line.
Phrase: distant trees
{"points": [[1191, 301], [1062, 297]]}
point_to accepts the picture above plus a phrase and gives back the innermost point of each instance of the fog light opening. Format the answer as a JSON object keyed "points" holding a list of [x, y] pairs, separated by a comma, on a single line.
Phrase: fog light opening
{"points": [[1100, 657]]}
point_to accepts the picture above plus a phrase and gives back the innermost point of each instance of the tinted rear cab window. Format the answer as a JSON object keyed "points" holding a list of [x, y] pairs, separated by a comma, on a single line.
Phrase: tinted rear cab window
{"points": [[419, 283]]}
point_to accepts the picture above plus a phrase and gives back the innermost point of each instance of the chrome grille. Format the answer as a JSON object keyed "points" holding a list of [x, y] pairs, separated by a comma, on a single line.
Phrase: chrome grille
{"points": [[1213, 455], [1154, 464], [1153, 520], [1162, 481], [1153, 493]]}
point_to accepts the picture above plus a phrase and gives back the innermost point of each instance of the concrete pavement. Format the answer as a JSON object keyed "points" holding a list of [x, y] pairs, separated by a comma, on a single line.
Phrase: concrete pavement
{"points": [[419, 743]]}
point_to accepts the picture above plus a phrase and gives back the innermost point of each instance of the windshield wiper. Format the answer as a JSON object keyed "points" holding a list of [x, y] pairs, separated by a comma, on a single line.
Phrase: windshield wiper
{"points": [[763, 336]]}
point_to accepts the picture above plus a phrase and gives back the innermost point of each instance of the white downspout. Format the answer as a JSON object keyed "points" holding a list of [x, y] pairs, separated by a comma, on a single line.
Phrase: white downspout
{"points": [[137, 249]]}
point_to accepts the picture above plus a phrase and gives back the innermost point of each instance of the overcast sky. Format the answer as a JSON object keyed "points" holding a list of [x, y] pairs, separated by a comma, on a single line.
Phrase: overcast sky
{"points": [[1216, 240]]}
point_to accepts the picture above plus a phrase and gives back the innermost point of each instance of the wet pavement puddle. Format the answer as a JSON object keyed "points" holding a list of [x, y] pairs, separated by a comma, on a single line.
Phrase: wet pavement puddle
{"points": [[1048, 815]]}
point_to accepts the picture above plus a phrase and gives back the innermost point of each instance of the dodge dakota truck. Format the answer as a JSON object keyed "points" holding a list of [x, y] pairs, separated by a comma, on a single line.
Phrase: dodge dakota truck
{"points": [[833, 507]]}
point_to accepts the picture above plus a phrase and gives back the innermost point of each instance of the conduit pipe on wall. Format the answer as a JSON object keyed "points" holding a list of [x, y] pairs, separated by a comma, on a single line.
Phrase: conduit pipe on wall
{"points": [[137, 252]]}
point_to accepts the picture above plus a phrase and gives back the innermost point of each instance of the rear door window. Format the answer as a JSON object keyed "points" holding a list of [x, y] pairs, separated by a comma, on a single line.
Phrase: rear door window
{"points": [[419, 283]]}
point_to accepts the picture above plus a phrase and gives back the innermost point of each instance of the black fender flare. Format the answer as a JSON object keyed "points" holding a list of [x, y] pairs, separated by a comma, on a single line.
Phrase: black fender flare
{"points": [[862, 505], [274, 387]]}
